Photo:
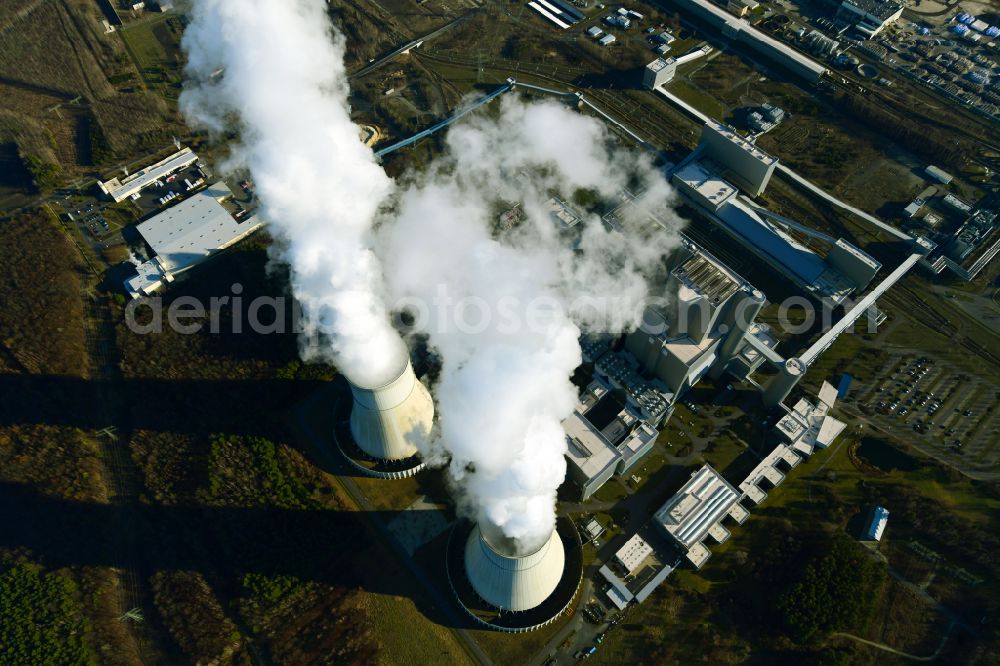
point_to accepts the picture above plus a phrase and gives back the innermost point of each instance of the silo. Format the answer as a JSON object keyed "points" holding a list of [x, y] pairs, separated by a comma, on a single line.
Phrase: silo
{"points": [[508, 580], [387, 420], [782, 385]]}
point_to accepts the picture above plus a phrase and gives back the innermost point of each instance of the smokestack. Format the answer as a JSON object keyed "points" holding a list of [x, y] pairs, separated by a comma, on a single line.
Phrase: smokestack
{"points": [[748, 303], [388, 420], [782, 385], [509, 580]]}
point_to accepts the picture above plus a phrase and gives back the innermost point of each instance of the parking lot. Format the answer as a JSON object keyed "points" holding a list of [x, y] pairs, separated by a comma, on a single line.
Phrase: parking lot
{"points": [[946, 410], [171, 189]]}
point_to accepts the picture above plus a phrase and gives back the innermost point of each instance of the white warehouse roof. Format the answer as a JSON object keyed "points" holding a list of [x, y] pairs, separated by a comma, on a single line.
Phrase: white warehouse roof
{"points": [[702, 503], [187, 233], [633, 553], [512, 582], [119, 190]]}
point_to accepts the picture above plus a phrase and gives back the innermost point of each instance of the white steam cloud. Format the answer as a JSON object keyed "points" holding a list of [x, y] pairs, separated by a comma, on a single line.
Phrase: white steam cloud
{"points": [[526, 293], [284, 88], [507, 307]]}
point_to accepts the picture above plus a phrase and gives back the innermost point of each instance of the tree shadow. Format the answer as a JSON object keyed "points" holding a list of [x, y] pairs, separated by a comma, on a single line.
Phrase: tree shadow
{"points": [[222, 543]]}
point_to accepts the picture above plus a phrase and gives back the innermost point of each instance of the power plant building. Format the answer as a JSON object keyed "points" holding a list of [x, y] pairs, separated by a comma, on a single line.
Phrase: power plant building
{"points": [[706, 326], [604, 437], [658, 72], [735, 158], [706, 179], [869, 17], [809, 426], [633, 554], [187, 234], [696, 512]]}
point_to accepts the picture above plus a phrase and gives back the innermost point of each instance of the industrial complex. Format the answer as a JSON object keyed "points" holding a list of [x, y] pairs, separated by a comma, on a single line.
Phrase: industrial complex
{"points": [[186, 234], [635, 362]]}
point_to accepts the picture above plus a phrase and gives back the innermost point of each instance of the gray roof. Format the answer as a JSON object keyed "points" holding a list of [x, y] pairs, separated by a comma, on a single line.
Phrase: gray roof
{"points": [[186, 233]]}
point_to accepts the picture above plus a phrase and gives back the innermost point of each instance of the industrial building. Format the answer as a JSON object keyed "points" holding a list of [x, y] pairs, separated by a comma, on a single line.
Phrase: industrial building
{"points": [[973, 245], [869, 17], [808, 426], [121, 189], [735, 158], [388, 421], [938, 174], [633, 554], [662, 70], [741, 32], [559, 13], [705, 328], [187, 234], [658, 72], [767, 118], [604, 436], [696, 512], [706, 178]]}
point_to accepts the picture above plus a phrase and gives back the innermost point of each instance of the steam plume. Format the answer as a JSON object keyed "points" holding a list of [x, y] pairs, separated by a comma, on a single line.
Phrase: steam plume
{"points": [[504, 385], [507, 307], [284, 87]]}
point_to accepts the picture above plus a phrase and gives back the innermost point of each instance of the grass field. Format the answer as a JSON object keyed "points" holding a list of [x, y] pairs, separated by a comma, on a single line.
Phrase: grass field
{"points": [[154, 47]]}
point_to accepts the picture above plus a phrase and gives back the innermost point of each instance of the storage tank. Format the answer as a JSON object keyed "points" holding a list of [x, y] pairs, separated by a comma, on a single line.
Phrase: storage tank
{"points": [[508, 580], [388, 420]]}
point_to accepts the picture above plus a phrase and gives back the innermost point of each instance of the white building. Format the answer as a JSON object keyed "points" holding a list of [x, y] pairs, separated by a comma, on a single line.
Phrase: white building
{"points": [[633, 554], [121, 189], [737, 159], [187, 234], [876, 526], [604, 437], [696, 512], [808, 426], [870, 17], [658, 72]]}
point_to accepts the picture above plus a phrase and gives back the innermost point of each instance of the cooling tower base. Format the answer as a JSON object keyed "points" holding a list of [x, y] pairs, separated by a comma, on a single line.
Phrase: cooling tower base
{"points": [[518, 622], [361, 461]]}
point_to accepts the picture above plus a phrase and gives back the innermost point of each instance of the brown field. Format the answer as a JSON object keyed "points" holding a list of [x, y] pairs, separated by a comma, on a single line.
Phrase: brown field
{"points": [[56, 73]]}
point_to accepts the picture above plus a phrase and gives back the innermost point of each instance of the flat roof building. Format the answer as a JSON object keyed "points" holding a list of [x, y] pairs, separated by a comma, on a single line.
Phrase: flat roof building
{"points": [[633, 554], [187, 234], [121, 189], [659, 71], [703, 186], [604, 437], [869, 17], [697, 510]]}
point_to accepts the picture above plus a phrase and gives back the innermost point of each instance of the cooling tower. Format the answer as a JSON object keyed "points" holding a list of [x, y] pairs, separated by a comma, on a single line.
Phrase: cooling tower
{"points": [[513, 582], [387, 420]]}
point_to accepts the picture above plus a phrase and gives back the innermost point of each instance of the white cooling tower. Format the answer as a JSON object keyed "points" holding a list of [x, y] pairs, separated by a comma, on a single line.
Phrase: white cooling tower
{"points": [[513, 582], [386, 420]]}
